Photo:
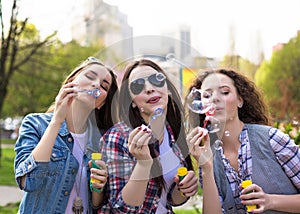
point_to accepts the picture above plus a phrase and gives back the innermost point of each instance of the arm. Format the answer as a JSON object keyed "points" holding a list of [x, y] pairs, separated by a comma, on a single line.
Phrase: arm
{"points": [[264, 202], [199, 144], [43, 150], [288, 156], [123, 171], [134, 191]]}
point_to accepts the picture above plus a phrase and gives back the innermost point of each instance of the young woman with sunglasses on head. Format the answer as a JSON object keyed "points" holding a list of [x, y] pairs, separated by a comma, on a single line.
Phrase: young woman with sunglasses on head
{"points": [[53, 151], [251, 151], [144, 151]]}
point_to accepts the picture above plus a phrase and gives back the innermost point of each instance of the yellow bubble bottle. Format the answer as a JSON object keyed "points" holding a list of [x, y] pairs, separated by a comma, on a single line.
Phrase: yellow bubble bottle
{"points": [[95, 156], [182, 172], [245, 184]]}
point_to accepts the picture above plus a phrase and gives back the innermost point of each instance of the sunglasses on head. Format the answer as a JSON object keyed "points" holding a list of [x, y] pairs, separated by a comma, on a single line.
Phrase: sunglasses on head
{"points": [[94, 59], [157, 80]]}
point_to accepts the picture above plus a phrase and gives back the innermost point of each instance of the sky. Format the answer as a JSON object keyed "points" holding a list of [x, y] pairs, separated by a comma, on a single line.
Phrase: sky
{"points": [[256, 25]]}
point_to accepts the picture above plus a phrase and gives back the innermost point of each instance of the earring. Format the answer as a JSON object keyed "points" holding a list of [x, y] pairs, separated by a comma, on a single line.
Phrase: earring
{"points": [[142, 109], [240, 105], [133, 105]]}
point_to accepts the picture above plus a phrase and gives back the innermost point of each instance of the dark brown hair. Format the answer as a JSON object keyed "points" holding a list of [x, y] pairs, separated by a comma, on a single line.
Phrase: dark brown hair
{"points": [[254, 109], [175, 114], [105, 116]]}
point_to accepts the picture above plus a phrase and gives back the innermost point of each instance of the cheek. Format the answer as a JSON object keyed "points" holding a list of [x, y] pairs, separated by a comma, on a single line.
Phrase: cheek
{"points": [[101, 100], [137, 99], [231, 105]]}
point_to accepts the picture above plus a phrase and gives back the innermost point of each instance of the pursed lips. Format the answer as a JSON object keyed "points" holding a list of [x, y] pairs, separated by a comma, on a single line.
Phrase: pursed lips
{"points": [[153, 100]]}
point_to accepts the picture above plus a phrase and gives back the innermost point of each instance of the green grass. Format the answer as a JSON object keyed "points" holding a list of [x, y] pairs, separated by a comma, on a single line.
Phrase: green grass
{"points": [[8, 141], [11, 208], [7, 176], [182, 211]]}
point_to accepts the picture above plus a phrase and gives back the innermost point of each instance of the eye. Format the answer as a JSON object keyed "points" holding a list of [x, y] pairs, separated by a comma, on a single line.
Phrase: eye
{"points": [[206, 94], [225, 92], [104, 86], [89, 76]]}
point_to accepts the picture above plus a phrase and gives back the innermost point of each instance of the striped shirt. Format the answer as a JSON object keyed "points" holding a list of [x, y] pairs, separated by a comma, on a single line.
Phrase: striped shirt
{"points": [[120, 166]]}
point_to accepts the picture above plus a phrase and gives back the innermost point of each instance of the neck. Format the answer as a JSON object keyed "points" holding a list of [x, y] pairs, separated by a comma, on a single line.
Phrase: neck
{"points": [[157, 127], [77, 119], [231, 133]]}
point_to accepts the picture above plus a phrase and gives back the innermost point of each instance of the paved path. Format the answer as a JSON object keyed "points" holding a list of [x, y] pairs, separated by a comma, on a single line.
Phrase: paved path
{"points": [[10, 194]]}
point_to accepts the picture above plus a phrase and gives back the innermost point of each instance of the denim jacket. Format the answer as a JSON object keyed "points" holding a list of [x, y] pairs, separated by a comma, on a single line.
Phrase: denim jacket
{"points": [[49, 184]]}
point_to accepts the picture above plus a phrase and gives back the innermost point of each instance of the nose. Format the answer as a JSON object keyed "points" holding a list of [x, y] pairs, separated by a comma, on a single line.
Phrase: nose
{"points": [[215, 96], [96, 84], [148, 87]]}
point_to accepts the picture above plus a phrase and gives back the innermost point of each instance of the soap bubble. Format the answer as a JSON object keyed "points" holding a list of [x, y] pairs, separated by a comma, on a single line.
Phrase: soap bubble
{"points": [[196, 103], [218, 144]]}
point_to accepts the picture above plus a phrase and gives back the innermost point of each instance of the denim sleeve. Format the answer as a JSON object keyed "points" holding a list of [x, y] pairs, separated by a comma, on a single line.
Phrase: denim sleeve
{"points": [[24, 163]]}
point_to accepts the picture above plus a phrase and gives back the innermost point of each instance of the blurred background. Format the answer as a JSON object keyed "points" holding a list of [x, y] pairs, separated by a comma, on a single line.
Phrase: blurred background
{"points": [[42, 41]]}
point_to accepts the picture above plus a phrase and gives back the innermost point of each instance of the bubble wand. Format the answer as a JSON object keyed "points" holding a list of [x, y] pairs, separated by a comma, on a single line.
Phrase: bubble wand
{"points": [[157, 113], [94, 93]]}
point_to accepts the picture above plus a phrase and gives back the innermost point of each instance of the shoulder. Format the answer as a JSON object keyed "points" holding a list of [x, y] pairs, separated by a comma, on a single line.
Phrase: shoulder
{"points": [[37, 119], [120, 128], [38, 116], [117, 132], [257, 127]]}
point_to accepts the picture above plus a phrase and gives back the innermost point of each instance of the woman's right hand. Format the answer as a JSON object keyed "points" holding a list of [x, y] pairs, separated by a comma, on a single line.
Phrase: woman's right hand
{"points": [[199, 146], [138, 143], [63, 101]]}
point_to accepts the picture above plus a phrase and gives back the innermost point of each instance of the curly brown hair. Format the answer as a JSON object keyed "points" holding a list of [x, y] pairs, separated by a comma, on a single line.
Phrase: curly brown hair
{"points": [[254, 109]]}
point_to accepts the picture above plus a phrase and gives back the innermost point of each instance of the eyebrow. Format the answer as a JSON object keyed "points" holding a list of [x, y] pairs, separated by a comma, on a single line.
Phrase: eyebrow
{"points": [[93, 72], [104, 80], [220, 87]]}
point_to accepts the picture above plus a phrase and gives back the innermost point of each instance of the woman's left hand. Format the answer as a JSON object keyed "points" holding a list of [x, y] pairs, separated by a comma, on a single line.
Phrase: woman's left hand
{"points": [[254, 195], [99, 174], [189, 184]]}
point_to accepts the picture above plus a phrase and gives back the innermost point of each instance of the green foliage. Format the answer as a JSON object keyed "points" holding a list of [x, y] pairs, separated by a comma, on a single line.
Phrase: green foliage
{"points": [[240, 64], [7, 176], [35, 85], [292, 129], [280, 82]]}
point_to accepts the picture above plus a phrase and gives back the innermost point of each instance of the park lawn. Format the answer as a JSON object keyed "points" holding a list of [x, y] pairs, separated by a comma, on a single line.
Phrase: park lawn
{"points": [[7, 176], [183, 211], [8, 141], [10, 208]]}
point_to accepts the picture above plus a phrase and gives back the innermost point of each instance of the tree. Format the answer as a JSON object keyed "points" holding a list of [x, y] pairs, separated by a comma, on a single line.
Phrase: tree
{"points": [[15, 52], [240, 64], [40, 79], [280, 82]]}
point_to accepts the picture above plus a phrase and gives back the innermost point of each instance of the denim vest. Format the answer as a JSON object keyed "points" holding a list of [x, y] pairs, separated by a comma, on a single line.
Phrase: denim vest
{"points": [[266, 172], [48, 184]]}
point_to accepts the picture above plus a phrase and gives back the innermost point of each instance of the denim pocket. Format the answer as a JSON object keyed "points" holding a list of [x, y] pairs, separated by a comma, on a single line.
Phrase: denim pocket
{"points": [[58, 154]]}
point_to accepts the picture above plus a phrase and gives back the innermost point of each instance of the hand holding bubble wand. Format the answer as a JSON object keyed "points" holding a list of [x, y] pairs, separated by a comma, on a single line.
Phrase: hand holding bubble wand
{"points": [[200, 102]]}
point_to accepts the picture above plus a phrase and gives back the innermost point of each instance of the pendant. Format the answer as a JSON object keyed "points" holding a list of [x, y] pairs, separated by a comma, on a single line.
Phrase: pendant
{"points": [[77, 205]]}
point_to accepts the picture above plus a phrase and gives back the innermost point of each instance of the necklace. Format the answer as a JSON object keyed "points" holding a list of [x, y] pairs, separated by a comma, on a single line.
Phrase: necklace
{"points": [[80, 141]]}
